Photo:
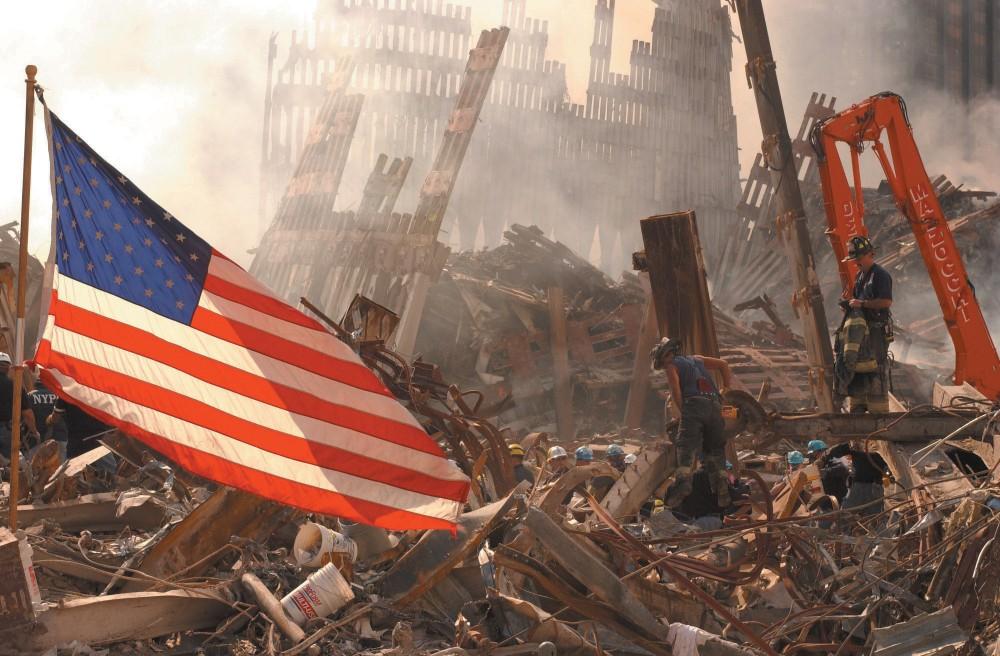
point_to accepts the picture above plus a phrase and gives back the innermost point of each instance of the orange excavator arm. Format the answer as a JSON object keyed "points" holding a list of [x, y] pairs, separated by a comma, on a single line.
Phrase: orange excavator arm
{"points": [[884, 117]]}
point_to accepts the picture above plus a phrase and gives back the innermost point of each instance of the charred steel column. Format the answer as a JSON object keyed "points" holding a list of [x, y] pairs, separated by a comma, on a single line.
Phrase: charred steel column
{"points": [[807, 299], [677, 280]]}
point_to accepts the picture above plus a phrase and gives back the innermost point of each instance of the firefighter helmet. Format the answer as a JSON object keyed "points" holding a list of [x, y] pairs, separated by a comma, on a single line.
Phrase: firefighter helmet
{"points": [[858, 246]]}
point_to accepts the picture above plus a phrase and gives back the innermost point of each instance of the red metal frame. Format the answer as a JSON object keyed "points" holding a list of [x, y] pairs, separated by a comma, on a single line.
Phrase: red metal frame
{"points": [[976, 359]]}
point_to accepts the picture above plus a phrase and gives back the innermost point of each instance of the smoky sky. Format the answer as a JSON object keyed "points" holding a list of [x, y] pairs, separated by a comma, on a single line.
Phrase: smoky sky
{"points": [[171, 92]]}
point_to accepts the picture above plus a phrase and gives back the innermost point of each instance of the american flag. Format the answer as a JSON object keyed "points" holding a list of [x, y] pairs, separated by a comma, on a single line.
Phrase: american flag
{"points": [[153, 331]]}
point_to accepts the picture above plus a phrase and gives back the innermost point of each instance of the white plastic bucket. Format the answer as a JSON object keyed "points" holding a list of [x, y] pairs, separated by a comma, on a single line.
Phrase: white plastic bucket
{"points": [[315, 543], [324, 592]]}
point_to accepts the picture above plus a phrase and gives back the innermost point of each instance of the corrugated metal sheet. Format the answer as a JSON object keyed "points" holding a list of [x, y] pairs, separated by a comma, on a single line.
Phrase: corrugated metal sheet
{"points": [[929, 634]]}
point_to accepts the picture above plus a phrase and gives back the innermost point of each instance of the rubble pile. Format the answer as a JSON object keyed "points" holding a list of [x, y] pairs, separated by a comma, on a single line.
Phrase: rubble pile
{"points": [[119, 552], [486, 324]]}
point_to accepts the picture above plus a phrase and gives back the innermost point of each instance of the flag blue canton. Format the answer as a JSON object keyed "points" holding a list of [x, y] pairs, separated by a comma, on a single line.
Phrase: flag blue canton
{"points": [[112, 236]]}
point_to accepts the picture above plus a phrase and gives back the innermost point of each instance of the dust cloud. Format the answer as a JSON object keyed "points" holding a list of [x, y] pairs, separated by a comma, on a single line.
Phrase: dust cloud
{"points": [[172, 92]]}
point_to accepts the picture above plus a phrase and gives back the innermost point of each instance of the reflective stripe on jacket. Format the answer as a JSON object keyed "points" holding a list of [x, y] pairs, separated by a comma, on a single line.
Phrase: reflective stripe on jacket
{"points": [[858, 356]]}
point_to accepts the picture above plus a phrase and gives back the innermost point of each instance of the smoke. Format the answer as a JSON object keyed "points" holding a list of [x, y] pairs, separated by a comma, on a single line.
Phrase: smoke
{"points": [[170, 93]]}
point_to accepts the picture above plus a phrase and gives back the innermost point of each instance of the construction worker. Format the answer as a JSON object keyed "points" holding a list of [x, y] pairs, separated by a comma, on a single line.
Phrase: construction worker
{"points": [[833, 474], [521, 472], [584, 456], [616, 457], [872, 298], [557, 461], [697, 402], [866, 493], [601, 485], [795, 461]]}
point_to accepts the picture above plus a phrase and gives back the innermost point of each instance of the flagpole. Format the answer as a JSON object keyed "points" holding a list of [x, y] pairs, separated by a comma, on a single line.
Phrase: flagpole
{"points": [[22, 286]]}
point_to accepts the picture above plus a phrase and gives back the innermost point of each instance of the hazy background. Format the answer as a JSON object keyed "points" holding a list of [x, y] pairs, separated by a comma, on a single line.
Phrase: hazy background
{"points": [[172, 92]]}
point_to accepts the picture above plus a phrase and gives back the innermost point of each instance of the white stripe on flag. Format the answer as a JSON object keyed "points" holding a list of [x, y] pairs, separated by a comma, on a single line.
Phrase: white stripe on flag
{"points": [[297, 426], [198, 438], [258, 364]]}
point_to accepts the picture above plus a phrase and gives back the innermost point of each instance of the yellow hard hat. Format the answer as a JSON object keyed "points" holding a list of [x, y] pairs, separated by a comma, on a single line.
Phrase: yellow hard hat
{"points": [[516, 450]]}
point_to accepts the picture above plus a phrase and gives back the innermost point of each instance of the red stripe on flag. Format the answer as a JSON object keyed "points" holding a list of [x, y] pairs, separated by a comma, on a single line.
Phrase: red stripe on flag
{"points": [[303, 357], [259, 302], [124, 336], [291, 493], [209, 417]]}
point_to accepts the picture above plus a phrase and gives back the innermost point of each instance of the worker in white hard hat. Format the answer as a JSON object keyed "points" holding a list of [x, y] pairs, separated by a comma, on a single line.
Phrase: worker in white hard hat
{"points": [[557, 459]]}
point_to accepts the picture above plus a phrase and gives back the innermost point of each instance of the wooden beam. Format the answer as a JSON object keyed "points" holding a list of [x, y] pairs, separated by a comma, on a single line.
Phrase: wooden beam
{"points": [[195, 544], [524, 565], [562, 380], [64, 564]]}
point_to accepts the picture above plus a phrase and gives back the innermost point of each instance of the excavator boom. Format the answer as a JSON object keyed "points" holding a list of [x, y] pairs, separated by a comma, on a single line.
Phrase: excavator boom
{"points": [[884, 117]]}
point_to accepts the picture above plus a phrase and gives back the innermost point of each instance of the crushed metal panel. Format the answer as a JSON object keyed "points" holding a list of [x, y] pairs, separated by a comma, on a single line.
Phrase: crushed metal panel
{"points": [[913, 466], [126, 617], [438, 553], [590, 571], [640, 479], [929, 634], [372, 322], [93, 512]]}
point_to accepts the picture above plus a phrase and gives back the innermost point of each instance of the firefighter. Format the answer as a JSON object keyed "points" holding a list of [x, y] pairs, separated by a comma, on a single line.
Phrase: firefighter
{"points": [[872, 296], [698, 403], [858, 374]]}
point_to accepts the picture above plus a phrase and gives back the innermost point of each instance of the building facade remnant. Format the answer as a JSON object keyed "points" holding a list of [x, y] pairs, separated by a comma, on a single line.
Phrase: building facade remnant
{"points": [[661, 136]]}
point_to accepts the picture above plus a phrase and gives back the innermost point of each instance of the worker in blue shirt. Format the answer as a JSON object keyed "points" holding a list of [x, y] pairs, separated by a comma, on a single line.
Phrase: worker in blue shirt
{"points": [[698, 403]]}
